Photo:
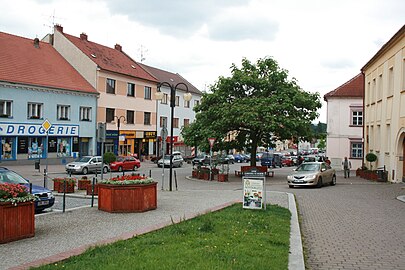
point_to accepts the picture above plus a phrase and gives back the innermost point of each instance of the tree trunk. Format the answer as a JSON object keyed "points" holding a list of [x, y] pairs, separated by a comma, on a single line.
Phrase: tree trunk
{"points": [[253, 153]]}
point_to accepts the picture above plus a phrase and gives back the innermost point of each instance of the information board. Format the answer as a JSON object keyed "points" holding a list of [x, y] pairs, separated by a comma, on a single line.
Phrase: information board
{"points": [[254, 192]]}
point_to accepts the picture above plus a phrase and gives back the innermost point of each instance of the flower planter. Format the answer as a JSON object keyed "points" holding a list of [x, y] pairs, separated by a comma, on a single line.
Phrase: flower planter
{"points": [[127, 198], [89, 188], [222, 177], [194, 173], [16, 222], [82, 184], [70, 188]]}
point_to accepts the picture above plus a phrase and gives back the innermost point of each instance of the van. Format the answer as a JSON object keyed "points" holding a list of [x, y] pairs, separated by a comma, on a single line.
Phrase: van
{"points": [[271, 160]]}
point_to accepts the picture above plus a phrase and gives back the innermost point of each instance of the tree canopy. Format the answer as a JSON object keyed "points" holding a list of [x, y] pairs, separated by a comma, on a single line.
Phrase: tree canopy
{"points": [[255, 106]]}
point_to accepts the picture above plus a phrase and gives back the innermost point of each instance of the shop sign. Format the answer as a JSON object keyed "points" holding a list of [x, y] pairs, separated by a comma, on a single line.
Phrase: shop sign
{"points": [[149, 134], [129, 134], [11, 129], [175, 139], [111, 134], [139, 135]]}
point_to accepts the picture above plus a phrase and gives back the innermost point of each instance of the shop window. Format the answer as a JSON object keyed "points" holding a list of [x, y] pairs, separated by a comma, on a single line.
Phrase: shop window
{"points": [[35, 110], [130, 117], [64, 149], [85, 114], [110, 86], [63, 112], [356, 149], [131, 90], [5, 108], [146, 118], [7, 148], [22, 145], [148, 92], [36, 147], [175, 122], [52, 145], [109, 115]]}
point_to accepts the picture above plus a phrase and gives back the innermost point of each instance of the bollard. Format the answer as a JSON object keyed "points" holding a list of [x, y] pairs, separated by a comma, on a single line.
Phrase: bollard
{"points": [[123, 172], [150, 173], [175, 179], [45, 175], [64, 196], [92, 191], [30, 188]]}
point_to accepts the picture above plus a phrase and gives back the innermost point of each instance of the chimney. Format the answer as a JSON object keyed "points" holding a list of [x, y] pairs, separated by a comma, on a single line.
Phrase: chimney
{"points": [[118, 47], [83, 36], [59, 28], [36, 42]]}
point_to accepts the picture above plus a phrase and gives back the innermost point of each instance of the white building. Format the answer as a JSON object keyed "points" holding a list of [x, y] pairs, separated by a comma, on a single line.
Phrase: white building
{"points": [[345, 123]]}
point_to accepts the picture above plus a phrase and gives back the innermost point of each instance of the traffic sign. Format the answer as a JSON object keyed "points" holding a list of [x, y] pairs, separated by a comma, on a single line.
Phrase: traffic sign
{"points": [[211, 141], [46, 125]]}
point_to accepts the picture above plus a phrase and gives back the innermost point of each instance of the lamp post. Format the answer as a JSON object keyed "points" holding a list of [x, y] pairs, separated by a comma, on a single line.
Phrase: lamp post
{"points": [[118, 126], [159, 96]]}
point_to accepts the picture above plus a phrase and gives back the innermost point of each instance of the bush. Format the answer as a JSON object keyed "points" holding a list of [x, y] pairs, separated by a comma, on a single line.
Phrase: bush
{"points": [[371, 157], [109, 157]]}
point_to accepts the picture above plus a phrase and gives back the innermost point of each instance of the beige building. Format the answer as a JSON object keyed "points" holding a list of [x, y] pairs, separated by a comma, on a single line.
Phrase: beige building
{"points": [[384, 105]]}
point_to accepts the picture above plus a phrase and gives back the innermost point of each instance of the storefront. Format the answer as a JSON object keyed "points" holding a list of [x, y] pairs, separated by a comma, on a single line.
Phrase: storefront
{"points": [[149, 143], [110, 144], [30, 141]]}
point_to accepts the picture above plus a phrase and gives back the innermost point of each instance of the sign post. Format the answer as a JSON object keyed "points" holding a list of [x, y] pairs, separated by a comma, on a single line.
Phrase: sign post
{"points": [[163, 135], [211, 141], [46, 125], [254, 189]]}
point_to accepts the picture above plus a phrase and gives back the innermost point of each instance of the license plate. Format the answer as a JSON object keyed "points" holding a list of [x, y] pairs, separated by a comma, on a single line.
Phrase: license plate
{"points": [[299, 181], [40, 203]]}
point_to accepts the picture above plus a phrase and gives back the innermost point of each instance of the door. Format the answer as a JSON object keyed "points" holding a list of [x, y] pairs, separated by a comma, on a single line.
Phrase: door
{"points": [[403, 161]]}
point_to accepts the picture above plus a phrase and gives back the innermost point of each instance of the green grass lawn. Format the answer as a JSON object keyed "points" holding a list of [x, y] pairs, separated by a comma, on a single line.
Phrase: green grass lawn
{"points": [[232, 238]]}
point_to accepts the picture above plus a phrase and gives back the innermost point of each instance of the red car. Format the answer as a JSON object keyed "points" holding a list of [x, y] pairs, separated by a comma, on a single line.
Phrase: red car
{"points": [[125, 164], [287, 162]]}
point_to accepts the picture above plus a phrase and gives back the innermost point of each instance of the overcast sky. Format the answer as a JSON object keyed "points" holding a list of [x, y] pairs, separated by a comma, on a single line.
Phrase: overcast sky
{"points": [[322, 43]]}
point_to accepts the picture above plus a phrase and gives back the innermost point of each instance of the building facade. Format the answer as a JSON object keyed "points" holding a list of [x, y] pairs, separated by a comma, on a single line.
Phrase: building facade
{"points": [[384, 102], [127, 92], [345, 123], [37, 84]]}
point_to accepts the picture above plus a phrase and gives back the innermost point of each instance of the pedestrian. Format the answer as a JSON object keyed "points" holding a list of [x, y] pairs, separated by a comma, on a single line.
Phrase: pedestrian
{"points": [[347, 165]]}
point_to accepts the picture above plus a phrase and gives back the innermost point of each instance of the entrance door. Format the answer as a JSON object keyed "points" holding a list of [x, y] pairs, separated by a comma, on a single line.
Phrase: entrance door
{"points": [[403, 161], [125, 149]]}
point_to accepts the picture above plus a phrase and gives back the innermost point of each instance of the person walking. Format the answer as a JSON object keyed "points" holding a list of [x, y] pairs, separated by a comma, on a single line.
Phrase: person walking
{"points": [[347, 165]]}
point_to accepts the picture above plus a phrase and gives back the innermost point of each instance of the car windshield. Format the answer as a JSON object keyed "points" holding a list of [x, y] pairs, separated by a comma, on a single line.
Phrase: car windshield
{"points": [[308, 167], [83, 159], [11, 178], [120, 159]]}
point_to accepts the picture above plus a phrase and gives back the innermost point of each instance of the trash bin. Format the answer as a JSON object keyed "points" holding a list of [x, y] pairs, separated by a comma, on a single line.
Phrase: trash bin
{"points": [[382, 174], [37, 166]]}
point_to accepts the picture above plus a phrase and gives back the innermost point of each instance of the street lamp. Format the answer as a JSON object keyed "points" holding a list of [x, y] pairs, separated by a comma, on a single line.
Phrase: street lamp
{"points": [[159, 96], [118, 125]]}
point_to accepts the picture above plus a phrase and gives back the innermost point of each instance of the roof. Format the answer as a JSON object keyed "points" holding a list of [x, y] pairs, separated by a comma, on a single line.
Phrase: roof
{"points": [[398, 36], [110, 59], [172, 78], [352, 88], [21, 61]]}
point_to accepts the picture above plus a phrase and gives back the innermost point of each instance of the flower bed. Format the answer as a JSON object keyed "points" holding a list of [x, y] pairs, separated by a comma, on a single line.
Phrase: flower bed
{"points": [[17, 213], [128, 193]]}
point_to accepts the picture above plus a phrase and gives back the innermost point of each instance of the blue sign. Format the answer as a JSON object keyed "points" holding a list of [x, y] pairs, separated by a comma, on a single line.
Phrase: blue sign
{"points": [[13, 129]]}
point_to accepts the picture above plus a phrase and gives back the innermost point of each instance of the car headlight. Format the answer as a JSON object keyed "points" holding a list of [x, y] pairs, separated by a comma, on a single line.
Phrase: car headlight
{"points": [[50, 195], [290, 177], [310, 176]]}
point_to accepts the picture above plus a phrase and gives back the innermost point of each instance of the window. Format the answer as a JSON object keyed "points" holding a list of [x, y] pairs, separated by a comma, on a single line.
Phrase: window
{"points": [[35, 110], [63, 112], [85, 113], [130, 117], [390, 81], [356, 150], [5, 108], [357, 118], [165, 98], [146, 118], [175, 122], [131, 90], [109, 115], [187, 104], [379, 88], [373, 90], [177, 101], [110, 86], [148, 92], [186, 122], [196, 102], [163, 121]]}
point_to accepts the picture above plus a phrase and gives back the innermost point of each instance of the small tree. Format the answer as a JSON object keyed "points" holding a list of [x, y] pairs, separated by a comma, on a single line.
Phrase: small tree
{"points": [[371, 157], [109, 157]]}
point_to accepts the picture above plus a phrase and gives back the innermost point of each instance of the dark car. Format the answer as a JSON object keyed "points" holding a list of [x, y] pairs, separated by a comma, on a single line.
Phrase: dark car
{"points": [[45, 196], [125, 164], [271, 160], [239, 158]]}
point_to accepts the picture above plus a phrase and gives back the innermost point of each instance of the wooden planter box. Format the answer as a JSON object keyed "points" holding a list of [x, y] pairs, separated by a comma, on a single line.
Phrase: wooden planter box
{"points": [[16, 222], [82, 184], [127, 198], [89, 187], [194, 174], [70, 187], [222, 177]]}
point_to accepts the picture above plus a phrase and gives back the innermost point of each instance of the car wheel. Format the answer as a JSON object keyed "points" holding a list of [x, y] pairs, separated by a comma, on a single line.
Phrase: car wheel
{"points": [[120, 169], [319, 184], [85, 170], [105, 170], [135, 168], [333, 180]]}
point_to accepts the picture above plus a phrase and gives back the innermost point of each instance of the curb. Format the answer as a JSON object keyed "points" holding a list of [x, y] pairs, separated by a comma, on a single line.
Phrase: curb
{"points": [[401, 198], [296, 257]]}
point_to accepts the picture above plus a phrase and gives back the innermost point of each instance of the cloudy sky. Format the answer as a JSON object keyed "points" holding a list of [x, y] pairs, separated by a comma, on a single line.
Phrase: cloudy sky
{"points": [[322, 43]]}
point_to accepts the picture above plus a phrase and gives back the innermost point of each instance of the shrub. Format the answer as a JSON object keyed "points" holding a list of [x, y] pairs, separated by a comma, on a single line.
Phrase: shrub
{"points": [[109, 157], [371, 157]]}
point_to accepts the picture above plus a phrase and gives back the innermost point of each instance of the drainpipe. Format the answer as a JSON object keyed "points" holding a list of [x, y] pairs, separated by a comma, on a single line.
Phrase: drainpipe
{"points": [[364, 116]]}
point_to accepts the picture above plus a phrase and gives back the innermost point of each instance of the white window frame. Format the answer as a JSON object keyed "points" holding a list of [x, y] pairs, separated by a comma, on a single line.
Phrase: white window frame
{"points": [[85, 114], [165, 98], [186, 103], [130, 89], [359, 150], [148, 92], [63, 112], [145, 118], [354, 114], [35, 110], [6, 109], [110, 84]]}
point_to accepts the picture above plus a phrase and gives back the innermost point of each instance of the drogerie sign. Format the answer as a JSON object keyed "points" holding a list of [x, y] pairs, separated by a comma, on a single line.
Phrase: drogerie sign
{"points": [[10, 129]]}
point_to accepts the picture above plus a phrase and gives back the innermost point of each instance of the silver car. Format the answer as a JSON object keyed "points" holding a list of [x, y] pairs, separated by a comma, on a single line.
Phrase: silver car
{"points": [[177, 160], [312, 174], [86, 164]]}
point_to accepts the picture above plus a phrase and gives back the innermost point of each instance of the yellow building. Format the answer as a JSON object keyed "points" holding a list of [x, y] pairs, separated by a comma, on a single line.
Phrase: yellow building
{"points": [[384, 107]]}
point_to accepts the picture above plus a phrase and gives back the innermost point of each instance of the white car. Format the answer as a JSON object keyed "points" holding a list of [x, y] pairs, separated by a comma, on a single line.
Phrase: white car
{"points": [[177, 160], [312, 174], [86, 164]]}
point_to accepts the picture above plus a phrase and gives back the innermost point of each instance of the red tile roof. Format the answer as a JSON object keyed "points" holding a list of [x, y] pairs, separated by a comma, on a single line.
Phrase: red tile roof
{"points": [[114, 60], [22, 62], [172, 78], [352, 88]]}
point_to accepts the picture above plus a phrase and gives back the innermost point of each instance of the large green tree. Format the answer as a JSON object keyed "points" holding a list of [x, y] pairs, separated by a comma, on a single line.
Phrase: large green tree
{"points": [[257, 104]]}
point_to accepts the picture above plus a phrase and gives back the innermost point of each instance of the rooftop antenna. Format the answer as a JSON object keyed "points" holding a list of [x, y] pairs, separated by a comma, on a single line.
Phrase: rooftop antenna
{"points": [[51, 22], [142, 51]]}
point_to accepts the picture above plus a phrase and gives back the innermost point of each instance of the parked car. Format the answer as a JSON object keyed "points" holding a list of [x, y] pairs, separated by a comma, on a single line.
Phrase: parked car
{"points": [[45, 196], [87, 164], [177, 160], [312, 174], [271, 160], [259, 156], [287, 161], [201, 160], [231, 159], [239, 158], [247, 157], [124, 163]]}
